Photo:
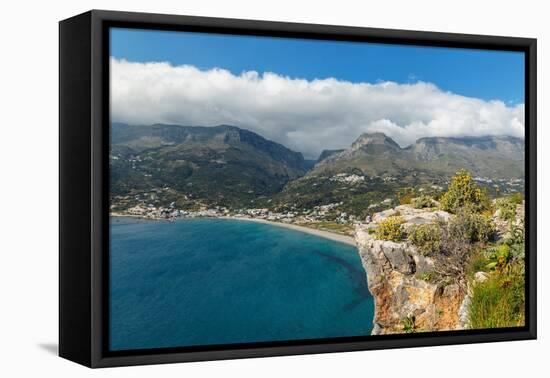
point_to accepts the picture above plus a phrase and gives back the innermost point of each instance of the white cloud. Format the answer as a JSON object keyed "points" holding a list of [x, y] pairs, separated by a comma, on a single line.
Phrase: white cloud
{"points": [[306, 116]]}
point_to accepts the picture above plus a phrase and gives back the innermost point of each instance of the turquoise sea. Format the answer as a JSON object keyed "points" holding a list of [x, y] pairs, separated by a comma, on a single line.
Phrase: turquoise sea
{"points": [[216, 281]]}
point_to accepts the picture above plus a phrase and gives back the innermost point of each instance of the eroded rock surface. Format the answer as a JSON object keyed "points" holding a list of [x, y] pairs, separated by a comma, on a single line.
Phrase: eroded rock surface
{"points": [[397, 278]]}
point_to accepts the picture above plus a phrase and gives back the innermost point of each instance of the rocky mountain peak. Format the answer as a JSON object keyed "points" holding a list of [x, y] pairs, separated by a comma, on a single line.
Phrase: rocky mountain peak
{"points": [[374, 139]]}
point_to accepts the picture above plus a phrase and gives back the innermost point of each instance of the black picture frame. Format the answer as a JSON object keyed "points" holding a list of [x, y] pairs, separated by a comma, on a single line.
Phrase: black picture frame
{"points": [[83, 181]]}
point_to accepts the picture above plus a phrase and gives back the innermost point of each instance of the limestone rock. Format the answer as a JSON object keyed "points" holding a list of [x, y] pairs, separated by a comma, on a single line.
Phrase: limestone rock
{"points": [[383, 215], [463, 312], [393, 270], [480, 277]]}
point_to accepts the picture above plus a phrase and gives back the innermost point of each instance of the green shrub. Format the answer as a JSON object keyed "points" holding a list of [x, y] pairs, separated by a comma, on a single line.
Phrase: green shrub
{"points": [[499, 301], [507, 208], [422, 202], [516, 198], [426, 238], [464, 192], [409, 324], [516, 241], [459, 238], [499, 256], [390, 229], [517, 234], [471, 226]]}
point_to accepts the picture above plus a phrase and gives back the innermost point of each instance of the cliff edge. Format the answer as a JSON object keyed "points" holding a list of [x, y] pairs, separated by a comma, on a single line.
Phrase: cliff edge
{"points": [[399, 278]]}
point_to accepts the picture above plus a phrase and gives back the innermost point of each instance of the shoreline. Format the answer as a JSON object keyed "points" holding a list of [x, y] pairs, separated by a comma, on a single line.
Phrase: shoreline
{"points": [[307, 230]]}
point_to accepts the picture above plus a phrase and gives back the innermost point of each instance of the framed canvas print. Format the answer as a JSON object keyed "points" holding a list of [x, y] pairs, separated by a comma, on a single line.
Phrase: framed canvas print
{"points": [[234, 188]]}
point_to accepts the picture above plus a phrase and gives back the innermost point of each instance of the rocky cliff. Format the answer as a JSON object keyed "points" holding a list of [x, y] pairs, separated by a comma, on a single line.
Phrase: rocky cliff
{"points": [[405, 300]]}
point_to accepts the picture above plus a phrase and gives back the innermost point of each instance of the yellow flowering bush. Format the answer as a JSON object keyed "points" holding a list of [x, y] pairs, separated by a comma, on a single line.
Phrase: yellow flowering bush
{"points": [[464, 192], [390, 229]]}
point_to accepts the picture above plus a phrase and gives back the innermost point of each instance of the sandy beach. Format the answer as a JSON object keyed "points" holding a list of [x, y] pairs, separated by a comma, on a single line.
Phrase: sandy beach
{"points": [[324, 234]]}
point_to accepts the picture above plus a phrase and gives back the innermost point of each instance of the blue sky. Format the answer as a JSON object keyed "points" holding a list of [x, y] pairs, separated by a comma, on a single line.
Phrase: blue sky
{"points": [[488, 75], [312, 95]]}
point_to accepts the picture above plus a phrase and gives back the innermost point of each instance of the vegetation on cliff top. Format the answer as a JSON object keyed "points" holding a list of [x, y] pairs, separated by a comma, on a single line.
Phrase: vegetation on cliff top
{"points": [[464, 192], [422, 202], [465, 251], [426, 237], [390, 229], [499, 300]]}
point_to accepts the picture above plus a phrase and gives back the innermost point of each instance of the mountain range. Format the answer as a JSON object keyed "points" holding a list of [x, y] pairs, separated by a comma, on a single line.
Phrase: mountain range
{"points": [[496, 157], [230, 166], [223, 164]]}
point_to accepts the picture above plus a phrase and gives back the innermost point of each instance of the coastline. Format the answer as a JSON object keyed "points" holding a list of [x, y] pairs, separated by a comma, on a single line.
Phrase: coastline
{"points": [[307, 230]]}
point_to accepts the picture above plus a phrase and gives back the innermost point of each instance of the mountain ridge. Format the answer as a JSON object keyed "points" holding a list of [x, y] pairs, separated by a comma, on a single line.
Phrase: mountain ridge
{"points": [[223, 164], [485, 155], [236, 168]]}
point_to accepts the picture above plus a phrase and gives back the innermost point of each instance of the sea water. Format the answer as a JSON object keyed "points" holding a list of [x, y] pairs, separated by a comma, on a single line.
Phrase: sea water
{"points": [[198, 282]]}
